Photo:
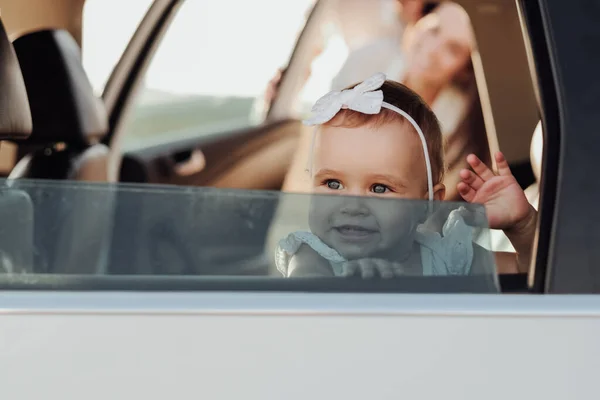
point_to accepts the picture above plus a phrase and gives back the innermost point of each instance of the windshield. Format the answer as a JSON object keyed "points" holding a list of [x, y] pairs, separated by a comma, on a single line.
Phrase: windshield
{"points": [[101, 235]]}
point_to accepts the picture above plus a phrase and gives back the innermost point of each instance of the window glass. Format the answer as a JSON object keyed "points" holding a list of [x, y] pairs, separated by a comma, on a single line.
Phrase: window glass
{"points": [[212, 64], [100, 231], [107, 27]]}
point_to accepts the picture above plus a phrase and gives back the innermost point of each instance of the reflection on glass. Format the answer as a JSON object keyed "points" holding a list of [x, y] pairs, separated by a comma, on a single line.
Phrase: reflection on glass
{"points": [[369, 236], [51, 228]]}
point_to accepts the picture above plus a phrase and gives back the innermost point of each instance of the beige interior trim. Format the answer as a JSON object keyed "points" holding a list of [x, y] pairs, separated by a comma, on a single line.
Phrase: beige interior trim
{"points": [[486, 106], [19, 18], [121, 73], [504, 63]]}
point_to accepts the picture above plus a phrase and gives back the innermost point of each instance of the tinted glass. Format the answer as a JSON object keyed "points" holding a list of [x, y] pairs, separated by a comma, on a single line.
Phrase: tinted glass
{"points": [[130, 234]]}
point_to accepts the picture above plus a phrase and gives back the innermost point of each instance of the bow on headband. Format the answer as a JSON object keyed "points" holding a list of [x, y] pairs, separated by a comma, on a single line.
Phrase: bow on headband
{"points": [[364, 98]]}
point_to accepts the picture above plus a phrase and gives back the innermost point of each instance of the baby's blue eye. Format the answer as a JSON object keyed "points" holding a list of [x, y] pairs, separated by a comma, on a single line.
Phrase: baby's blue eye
{"points": [[334, 185], [379, 189]]}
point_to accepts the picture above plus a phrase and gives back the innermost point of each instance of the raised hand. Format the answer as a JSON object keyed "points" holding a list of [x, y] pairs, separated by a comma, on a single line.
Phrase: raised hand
{"points": [[506, 206]]}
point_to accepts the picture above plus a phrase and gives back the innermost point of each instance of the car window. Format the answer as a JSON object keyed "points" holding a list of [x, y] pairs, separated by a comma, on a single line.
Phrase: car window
{"points": [[211, 66], [67, 231], [107, 27]]}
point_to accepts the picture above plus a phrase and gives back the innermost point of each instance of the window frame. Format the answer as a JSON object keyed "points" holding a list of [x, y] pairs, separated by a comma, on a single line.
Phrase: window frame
{"points": [[127, 75], [543, 76], [552, 29], [432, 285], [568, 257]]}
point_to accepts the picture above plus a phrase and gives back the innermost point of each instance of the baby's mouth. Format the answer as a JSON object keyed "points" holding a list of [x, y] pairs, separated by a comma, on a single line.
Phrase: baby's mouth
{"points": [[354, 232]]}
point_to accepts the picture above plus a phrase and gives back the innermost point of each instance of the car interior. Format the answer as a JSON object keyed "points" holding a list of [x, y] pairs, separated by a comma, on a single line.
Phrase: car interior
{"points": [[15, 123], [58, 128]]}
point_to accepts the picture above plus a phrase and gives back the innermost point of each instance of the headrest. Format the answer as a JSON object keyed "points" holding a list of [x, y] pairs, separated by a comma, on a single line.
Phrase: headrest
{"points": [[63, 105], [15, 116]]}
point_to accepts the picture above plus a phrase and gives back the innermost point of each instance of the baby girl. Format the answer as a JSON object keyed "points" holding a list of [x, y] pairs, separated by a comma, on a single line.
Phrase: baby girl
{"points": [[380, 141]]}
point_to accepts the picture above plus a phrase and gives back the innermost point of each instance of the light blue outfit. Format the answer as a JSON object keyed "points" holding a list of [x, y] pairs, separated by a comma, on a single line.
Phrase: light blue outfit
{"points": [[450, 253]]}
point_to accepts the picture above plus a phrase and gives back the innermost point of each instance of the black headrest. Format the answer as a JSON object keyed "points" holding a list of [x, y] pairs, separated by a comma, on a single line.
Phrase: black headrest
{"points": [[63, 105], [15, 116]]}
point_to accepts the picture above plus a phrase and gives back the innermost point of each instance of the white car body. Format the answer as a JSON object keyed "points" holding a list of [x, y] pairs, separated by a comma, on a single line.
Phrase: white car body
{"points": [[219, 345]]}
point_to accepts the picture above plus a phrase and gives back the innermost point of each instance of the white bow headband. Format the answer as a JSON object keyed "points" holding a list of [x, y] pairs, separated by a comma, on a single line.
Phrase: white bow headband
{"points": [[366, 99]]}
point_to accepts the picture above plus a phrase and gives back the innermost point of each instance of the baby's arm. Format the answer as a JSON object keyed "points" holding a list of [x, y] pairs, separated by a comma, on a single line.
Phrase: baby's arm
{"points": [[308, 263], [506, 206], [506, 263], [521, 236]]}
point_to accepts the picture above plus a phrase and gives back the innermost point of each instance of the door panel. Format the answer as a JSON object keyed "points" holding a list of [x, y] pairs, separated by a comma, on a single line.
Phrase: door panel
{"points": [[252, 158], [228, 345]]}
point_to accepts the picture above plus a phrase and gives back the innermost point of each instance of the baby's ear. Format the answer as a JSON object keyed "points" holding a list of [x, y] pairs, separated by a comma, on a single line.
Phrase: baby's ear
{"points": [[439, 192]]}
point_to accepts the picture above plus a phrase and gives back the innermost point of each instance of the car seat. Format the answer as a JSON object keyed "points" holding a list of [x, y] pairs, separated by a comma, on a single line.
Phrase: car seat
{"points": [[73, 220], [68, 119], [16, 211]]}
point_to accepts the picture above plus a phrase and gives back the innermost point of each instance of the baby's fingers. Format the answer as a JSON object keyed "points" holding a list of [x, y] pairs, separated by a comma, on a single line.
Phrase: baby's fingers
{"points": [[479, 167], [350, 268], [503, 168], [471, 179], [398, 269], [367, 268], [384, 268], [466, 191]]}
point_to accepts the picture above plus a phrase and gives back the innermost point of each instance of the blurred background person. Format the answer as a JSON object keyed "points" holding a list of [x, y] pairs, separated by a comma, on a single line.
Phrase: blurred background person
{"points": [[372, 28], [432, 57], [438, 67]]}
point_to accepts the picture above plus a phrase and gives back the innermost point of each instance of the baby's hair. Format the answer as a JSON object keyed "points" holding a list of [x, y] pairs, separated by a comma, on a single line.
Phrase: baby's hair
{"points": [[430, 7], [405, 99]]}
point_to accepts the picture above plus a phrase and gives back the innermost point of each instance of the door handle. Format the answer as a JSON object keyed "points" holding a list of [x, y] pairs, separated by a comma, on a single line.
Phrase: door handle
{"points": [[193, 165]]}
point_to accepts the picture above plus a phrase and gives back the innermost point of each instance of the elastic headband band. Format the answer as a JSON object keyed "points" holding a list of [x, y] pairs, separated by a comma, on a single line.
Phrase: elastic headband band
{"points": [[423, 142]]}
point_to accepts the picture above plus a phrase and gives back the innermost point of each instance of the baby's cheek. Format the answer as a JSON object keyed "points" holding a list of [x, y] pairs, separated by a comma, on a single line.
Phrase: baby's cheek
{"points": [[319, 214], [397, 223], [319, 188]]}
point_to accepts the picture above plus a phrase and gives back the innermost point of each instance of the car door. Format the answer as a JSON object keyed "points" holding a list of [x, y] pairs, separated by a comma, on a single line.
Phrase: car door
{"points": [[186, 99], [155, 337]]}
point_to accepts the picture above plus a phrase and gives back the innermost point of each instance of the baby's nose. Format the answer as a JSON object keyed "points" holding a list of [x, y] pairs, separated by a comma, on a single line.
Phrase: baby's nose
{"points": [[354, 206]]}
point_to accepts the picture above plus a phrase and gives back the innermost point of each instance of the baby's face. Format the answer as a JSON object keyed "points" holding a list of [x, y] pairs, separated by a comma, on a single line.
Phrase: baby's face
{"points": [[383, 163]]}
